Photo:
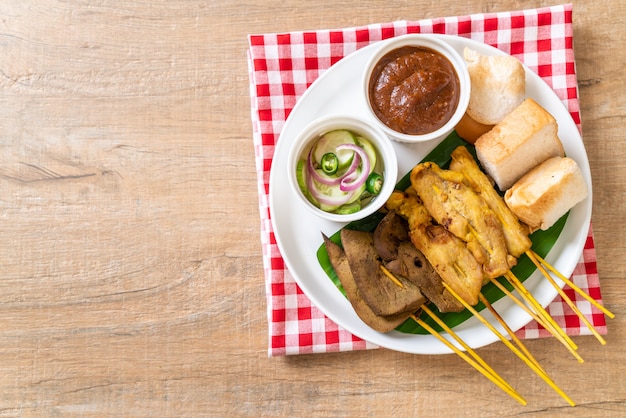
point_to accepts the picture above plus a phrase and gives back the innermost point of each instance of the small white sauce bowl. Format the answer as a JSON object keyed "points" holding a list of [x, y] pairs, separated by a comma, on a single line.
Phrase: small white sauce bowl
{"points": [[364, 128], [438, 45]]}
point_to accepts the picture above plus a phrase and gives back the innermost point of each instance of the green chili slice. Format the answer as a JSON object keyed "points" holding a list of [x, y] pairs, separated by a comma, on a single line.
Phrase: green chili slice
{"points": [[329, 163], [374, 183]]}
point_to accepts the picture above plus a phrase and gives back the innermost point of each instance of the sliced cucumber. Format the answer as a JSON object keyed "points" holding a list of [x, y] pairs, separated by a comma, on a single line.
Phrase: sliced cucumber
{"points": [[357, 195], [349, 208], [301, 179], [330, 141], [370, 150]]}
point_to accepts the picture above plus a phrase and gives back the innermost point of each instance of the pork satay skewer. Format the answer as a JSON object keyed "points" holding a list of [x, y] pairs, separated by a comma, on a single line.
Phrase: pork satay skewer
{"points": [[413, 210], [419, 220], [460, 207], [422, 236], [515, 233], [574, 287], [517, 352]]}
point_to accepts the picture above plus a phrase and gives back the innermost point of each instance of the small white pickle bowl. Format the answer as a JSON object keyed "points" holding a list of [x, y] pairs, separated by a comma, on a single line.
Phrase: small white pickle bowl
{"points": [[360, 127]]}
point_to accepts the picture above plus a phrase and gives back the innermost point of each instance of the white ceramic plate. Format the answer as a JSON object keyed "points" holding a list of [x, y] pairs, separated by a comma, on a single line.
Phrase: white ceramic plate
{"points": [[298, 232]]}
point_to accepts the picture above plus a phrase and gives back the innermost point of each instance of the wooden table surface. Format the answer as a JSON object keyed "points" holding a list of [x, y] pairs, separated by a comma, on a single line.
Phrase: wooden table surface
{"points": [[131, 278]]}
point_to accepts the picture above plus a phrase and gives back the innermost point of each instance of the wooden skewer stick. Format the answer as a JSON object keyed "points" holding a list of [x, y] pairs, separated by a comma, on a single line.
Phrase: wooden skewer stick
{"points": [[506, 342], [518, 302], [477, 362], [553, 329], [467, 348], [568, 300], [485, 372], [528, 297], [391, 276], [539, 320], [573, 286], [509, 331]]}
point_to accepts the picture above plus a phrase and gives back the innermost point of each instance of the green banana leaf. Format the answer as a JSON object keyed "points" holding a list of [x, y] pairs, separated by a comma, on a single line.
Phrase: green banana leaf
{"points": [[542, 243]]}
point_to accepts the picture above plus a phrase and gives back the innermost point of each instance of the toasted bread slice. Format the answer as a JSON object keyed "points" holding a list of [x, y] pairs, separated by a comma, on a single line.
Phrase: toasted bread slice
{"points": [[525, 138], [547, 192]]}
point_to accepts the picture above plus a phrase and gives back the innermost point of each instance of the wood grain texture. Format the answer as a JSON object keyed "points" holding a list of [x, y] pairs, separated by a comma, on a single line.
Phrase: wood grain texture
{"points": [[131, 278]]}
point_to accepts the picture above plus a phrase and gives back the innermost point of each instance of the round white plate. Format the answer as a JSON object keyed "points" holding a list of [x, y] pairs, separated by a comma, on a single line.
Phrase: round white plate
{"points": [[298, 232]]}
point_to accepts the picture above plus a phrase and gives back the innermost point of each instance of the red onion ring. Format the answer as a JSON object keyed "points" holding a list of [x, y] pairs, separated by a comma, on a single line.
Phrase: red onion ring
{"points": [[324, 198], [351, 183]]}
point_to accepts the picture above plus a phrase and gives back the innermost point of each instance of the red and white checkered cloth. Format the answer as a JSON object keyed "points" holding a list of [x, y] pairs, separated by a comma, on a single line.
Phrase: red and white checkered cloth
{"points": [[283, 65]]}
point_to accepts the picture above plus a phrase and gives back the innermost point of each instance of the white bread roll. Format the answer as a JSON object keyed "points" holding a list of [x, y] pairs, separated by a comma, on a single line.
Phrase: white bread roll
{"points": [[547, 192], [525, 138], [498, 86]]}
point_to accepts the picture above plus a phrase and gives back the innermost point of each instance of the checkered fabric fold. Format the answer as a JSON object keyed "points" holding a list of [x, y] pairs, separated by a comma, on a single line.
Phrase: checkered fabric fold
{"points": [[283, 65]]}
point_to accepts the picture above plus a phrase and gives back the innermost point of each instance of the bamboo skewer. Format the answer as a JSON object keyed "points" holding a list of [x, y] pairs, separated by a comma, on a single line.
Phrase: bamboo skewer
{"points": [[573, 286], [391, 276], [477, 362], [548, 322], [528, 297], [509, 331], [568, 300], [526, 360], [484, 371], [521, 304], [539, 320], [467, 348]]}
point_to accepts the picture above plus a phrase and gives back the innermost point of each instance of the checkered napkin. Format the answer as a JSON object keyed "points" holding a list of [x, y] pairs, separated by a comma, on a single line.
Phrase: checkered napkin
{"points": [[283, 65]]}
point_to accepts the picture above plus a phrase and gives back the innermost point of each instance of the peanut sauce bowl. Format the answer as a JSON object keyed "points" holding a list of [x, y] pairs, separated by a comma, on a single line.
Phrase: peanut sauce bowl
{"points": [[366, 154], [417, 87]]}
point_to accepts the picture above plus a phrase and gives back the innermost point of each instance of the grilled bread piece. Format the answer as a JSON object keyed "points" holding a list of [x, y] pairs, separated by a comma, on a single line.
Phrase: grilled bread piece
{"points": [[525, 138], [498, 86], [547, 192]]}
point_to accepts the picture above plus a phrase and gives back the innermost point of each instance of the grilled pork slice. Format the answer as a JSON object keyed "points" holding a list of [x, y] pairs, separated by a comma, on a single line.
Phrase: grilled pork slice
{"points": [[448, 255], [515, 233], [389, 233], [460, 210], [413, 265], [378, 290], [391, 237], [340, 264]]}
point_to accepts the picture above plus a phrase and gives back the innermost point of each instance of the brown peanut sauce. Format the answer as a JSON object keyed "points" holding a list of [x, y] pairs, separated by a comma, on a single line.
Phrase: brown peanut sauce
{"points": [[414, 90]]}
